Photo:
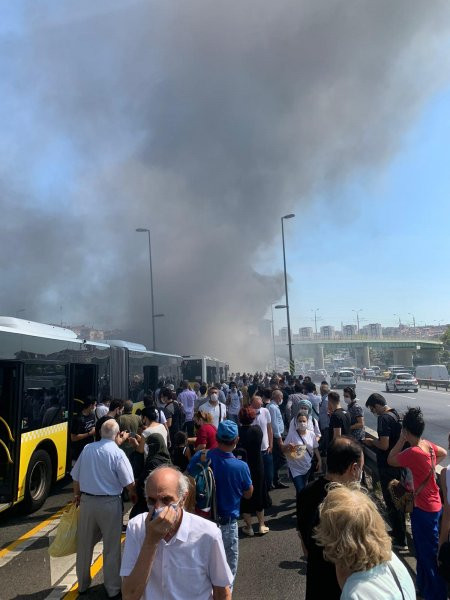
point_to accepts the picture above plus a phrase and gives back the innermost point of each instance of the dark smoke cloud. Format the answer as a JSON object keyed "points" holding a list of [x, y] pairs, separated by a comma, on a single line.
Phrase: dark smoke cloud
{"points": [[205, 121]]}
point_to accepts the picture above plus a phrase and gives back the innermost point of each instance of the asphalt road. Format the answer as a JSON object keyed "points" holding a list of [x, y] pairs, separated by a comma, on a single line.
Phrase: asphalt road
{"points": [[434, 404]]}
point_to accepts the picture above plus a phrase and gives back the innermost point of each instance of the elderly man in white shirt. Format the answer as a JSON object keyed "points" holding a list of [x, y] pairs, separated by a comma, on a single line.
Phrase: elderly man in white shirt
{"points": [[170, 553]]}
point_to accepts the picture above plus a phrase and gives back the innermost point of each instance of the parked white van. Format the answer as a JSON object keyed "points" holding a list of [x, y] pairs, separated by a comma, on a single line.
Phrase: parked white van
{"points": [[435, 372]]}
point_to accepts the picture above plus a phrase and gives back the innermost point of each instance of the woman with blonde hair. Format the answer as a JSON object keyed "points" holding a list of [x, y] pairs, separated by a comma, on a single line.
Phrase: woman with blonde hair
{"points": [[205, 438], [354, 538]]}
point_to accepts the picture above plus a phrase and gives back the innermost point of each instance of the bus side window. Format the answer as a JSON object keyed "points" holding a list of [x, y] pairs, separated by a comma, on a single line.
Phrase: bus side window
{"points": [[45, 395]]}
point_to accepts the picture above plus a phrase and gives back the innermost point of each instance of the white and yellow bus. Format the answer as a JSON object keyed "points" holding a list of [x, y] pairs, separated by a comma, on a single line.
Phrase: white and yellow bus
{"points": [[46, 372], [198, 369]]}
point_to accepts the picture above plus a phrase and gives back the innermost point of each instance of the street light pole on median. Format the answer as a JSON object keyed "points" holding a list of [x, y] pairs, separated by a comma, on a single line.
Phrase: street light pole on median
{"points": [[142, 230], [291, 359]]}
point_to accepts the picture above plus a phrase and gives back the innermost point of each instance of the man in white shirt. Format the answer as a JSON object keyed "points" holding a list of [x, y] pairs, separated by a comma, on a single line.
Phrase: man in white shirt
{"points": [[264, 420], [99, 476], [170, 553], [217, 409]]}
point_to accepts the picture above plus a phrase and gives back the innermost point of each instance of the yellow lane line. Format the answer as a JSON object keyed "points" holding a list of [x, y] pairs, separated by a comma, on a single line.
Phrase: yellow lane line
{"points": [[96, 567], [31, 533]]}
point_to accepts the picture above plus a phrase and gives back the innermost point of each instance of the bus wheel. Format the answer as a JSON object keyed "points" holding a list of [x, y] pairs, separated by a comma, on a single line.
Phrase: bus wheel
{"points": [[38, 481]]}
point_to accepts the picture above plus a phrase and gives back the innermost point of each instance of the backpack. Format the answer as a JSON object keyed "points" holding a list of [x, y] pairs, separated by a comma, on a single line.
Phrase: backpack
{"points": [[205, 487], [178, 418]]}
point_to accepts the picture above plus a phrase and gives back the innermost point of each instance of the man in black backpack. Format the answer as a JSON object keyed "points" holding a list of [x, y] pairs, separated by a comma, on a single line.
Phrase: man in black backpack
{"points": [[174, 413], [389, 428]]}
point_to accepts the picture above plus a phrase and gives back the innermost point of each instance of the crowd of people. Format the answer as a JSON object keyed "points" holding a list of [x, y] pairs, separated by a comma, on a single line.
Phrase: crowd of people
{"points": [[196, 459]]}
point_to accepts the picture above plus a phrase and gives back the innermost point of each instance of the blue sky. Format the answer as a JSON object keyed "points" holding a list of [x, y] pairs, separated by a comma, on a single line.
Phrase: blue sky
{"points": [[382, 243]]}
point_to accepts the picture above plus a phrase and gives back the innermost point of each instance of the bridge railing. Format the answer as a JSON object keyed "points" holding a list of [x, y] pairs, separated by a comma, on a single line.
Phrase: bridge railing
{"points": [[425, 383]]}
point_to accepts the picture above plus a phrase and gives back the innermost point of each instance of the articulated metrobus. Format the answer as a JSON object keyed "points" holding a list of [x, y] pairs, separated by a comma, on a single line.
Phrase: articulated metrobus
{"points": [[46, 372], [197, 369]]}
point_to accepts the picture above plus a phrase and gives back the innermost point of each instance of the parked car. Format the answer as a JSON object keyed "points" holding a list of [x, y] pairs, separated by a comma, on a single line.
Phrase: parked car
{"points": [[377, 370], [402, 382], [342, 379]]}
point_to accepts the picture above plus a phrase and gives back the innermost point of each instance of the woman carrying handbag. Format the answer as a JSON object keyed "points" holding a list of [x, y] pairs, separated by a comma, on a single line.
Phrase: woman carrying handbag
{"points": [[421, 459]]}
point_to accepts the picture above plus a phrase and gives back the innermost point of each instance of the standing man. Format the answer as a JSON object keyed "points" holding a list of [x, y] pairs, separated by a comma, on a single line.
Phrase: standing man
{"points": [[130, 423], [233, 482], [234, 402], [170, 553], [82, 431], [114, 412], [313, 397], [187, 400], [324, 417], [264, 420], [340, 420], [217, 409], [389, 429], [345, 465], [99, 476], [278, 430]]}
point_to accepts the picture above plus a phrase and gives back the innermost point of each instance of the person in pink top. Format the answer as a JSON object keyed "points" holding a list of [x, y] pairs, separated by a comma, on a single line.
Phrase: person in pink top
{"points": [[420, 460]]}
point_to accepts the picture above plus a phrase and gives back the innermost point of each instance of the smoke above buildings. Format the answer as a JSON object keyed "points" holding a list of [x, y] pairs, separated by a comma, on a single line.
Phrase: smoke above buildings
{"points": [[205, 122]]}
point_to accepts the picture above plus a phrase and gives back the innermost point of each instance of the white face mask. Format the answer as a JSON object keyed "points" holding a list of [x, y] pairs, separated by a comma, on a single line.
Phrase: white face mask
{"points": [[348, 400], [214, 397], [302, 426]]}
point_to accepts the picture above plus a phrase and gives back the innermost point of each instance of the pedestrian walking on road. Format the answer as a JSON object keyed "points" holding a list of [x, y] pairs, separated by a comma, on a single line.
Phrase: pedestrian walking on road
{"points": [[300, 446], [187, 399], [233, 482], [170, 553], [99, 476], [234, 402], [264, 420], [250, 438], [279, 460], [340, 420], [345, 465], [354, 538], [389, 429], [421, 459], [356, 414], [217, 409]]}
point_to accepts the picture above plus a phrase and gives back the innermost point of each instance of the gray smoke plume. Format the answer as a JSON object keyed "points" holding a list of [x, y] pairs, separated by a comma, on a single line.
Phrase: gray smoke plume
{"points": [[205, 121]]}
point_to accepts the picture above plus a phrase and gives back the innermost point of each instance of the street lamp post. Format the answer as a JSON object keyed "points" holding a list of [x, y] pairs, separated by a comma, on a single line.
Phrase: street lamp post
{"points": [[273, 332], [154, 316], [357, 315], [273, 341], [315, 310], [291, 359]]}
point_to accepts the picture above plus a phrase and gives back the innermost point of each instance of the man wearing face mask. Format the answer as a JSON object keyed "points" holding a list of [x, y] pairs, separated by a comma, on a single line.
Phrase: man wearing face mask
{"points": [[356, 413], [233, 482], [170, 553], [345, 463], [217, 409], [340, 420]]}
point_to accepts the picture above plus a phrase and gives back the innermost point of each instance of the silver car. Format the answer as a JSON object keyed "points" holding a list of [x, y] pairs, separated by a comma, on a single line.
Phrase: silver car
{"points": [[342, 379], [402, 382]]}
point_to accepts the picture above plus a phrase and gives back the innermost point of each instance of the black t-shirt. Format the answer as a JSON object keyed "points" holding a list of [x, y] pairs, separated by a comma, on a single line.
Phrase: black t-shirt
{"points": [[388, 425], [339, 419], [81, 424], [321, 581], [98, 426]]}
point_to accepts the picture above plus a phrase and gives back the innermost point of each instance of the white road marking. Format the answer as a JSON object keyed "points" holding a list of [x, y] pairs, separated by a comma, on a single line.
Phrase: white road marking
{"points": [[28, 542]]}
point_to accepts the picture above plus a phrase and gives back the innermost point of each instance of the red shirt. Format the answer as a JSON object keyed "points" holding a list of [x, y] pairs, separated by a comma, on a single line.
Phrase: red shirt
{"points": [[419, 464], [207, 435]]}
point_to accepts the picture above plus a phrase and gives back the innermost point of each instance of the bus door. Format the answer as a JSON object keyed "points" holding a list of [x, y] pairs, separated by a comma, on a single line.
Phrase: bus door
{"points": [[10, 377], [211, 375], [150, 378], [83, 383]]}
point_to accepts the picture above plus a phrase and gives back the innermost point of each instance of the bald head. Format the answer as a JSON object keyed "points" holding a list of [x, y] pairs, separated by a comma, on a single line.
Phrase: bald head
{"points": [[166, 485], [109, 429], [277, 396], [257, 402]]}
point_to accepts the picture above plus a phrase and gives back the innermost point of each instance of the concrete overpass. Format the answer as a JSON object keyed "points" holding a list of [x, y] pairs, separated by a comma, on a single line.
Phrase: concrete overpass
{"points": [[403, 349]]}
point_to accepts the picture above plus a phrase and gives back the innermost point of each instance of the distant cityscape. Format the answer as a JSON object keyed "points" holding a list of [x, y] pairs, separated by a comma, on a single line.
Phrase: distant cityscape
{"points": [[372, 331]]}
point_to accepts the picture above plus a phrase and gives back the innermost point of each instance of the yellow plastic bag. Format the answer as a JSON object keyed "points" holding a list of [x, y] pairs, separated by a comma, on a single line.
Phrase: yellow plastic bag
{"points": [[65, 541]]}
